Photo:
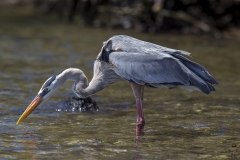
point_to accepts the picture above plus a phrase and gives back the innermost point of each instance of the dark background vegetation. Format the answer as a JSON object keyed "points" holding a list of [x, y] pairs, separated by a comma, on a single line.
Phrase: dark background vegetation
{"points": [[216, 17]]}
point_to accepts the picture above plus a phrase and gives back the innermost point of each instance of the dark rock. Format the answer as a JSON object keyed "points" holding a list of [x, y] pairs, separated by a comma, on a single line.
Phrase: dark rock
{"points": [[82, 104]]}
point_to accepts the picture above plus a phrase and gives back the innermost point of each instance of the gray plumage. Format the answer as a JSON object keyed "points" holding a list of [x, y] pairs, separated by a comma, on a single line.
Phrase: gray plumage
{"points": [[141, 63], [152, 65], [146, 64]]}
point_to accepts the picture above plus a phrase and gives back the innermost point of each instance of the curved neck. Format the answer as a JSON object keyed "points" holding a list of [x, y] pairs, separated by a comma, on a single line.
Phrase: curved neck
{"points": [[80, 86]]}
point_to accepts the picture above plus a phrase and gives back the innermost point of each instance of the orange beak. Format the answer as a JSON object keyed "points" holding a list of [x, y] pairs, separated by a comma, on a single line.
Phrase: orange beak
{"points": [[36, 102]]}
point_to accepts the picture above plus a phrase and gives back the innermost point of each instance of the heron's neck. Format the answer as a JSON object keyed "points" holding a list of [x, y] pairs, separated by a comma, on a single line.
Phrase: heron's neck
{"points": [[80, 87]]}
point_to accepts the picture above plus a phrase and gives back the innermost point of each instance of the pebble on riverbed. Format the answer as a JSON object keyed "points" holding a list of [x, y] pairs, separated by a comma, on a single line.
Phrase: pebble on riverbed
{"points": [[82, 104]]}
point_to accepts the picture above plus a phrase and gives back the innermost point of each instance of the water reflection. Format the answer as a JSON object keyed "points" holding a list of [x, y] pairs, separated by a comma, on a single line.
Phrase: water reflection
{"points": [[137, 153]]}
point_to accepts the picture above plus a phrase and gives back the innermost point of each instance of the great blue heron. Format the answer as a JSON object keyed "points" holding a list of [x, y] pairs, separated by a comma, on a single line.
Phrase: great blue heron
{"points": [[138, 62]]}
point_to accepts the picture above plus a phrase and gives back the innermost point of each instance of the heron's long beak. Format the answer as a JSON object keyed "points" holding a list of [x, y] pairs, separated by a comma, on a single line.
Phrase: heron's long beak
{"points": [[36, 102]]}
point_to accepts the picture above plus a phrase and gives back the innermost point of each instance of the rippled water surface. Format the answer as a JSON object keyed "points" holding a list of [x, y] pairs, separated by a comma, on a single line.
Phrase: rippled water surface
{"points": [[179, 124]]}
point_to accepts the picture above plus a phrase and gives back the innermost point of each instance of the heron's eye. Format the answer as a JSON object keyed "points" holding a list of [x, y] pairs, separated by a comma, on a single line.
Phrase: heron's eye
{"points": [[45, 89]]}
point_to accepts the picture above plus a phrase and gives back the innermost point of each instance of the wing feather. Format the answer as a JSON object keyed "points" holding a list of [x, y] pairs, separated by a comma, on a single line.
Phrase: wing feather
{"points": [[161, 69]]}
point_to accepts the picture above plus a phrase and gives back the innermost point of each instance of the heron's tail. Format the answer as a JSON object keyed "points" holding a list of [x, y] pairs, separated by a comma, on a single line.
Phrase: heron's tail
{"points": [[201, 72]]}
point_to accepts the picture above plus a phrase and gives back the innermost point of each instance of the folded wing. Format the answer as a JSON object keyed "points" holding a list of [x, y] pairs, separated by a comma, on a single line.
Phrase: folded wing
{"points": [[162, 70]]}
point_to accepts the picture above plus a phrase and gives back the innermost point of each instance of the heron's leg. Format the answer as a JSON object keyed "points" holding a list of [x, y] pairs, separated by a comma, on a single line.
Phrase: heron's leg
{"points": [[138, 93]]}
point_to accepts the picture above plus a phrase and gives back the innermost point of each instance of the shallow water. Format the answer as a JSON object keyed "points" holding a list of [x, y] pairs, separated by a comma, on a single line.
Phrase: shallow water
{"points": [[179, 124]]}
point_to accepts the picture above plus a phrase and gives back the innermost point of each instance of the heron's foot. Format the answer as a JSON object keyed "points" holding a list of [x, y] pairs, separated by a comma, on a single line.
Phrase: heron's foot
{"points": [[140, 127]]}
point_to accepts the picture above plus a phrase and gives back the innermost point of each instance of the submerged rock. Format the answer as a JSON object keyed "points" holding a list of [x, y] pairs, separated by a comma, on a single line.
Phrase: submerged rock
{"points": [[82, 104]]}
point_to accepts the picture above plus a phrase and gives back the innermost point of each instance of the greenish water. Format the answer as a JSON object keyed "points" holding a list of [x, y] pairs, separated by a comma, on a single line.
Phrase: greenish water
{"points": [[179, 124]]}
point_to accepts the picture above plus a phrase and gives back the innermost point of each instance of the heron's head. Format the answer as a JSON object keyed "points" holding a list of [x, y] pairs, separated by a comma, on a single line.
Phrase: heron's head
{"points": [[46, 91]]}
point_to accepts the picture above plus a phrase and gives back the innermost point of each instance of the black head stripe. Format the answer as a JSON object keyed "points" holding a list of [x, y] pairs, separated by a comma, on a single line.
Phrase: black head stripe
{"points": [[44, 92], [48, 83]]}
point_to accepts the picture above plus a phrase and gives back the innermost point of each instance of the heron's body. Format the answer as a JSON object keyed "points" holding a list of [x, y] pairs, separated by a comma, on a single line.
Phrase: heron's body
{"points": [[140, 63]]}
